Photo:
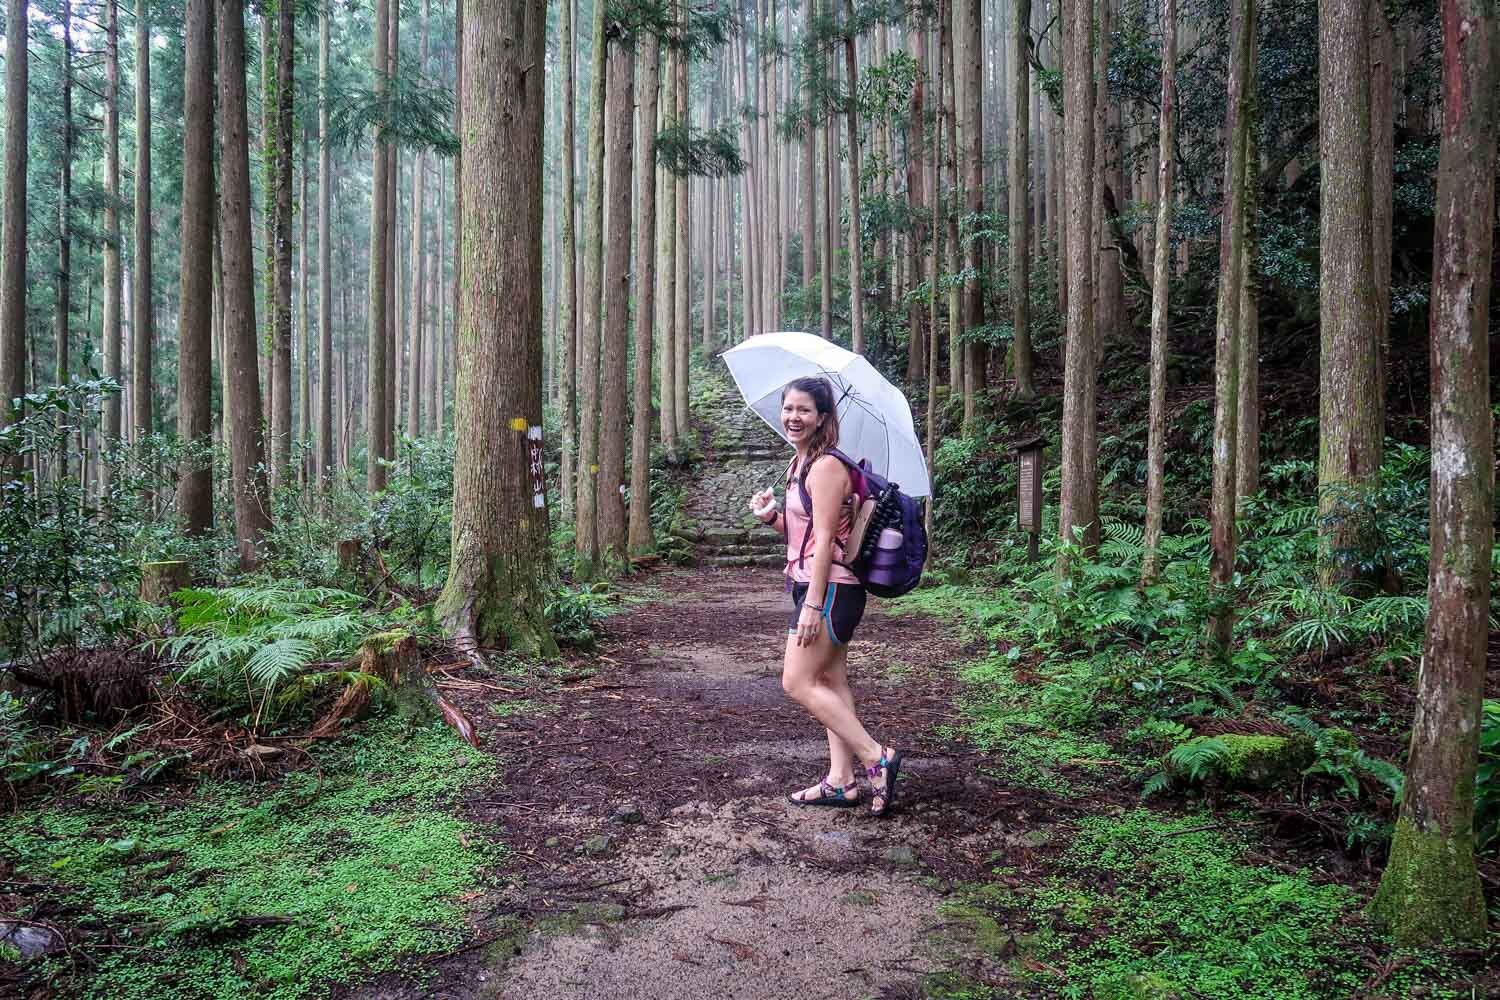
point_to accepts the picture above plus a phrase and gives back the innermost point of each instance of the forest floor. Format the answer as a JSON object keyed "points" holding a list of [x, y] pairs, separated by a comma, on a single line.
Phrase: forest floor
{"points": [[642, 807]]}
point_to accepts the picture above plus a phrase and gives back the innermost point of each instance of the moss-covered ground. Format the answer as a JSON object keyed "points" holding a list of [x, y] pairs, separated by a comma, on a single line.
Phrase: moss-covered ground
{"points": [[334, 873]]}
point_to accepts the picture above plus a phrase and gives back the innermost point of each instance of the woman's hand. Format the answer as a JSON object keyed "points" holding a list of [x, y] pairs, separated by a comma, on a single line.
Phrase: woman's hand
{"points": [[809, 624], [764, 503]]}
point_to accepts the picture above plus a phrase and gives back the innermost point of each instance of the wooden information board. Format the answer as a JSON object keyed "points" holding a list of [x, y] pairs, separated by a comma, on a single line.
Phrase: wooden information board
{"points": [[1030, 490]]}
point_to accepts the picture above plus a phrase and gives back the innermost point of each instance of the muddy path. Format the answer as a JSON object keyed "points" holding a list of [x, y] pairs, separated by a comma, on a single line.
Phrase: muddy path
{"points": [[653, 850]]}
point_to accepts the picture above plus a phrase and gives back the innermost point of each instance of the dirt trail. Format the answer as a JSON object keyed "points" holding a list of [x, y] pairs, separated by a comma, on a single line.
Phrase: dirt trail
{"points": [[645, 808]]}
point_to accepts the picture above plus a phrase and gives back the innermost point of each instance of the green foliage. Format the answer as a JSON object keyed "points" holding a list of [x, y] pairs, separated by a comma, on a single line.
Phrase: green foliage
{"points": [[364, 861], [250, 640], [1486, 784], [412, 520], [694, 151], [575, 614]]}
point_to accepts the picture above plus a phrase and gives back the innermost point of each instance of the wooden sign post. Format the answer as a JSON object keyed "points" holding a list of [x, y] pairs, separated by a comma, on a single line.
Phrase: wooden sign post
{"points": [[1029, 493]]}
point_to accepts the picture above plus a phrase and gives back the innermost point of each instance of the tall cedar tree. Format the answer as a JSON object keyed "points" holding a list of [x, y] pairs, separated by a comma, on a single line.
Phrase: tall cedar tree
{"points": [[1350, 424], [501, 566], [1227, 330], [1160, 282], [143, 317], [916, 166], [1020, 239], [418, 264], [252, 509], [641, 538], [568, 308], [281, 305], [586, 516], [1078, 517], [113, 282], [1430, 890], [969, 27], [325, 266], [195, 497], [666, 271], [682, 335], [949, 147], [63, 329], [612, 422], [856, 238], [13, 282], [376, 414]]}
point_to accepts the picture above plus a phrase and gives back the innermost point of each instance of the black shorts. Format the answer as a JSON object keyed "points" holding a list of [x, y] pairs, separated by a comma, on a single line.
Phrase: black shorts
{"points": [[843, 607]]}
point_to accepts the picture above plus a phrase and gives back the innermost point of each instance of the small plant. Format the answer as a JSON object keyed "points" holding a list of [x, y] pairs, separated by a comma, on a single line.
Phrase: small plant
{"points": [[574, 615], [1486, 785], [251, 640]]}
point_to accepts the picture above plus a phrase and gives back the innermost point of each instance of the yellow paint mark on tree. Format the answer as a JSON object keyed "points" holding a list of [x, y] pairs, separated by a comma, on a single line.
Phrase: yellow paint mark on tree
{"points": [[519, 424]]}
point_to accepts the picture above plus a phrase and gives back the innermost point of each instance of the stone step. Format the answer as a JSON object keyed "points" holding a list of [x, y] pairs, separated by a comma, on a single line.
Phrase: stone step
{"points": [[721, 535], [778, 550], [727, 561]]}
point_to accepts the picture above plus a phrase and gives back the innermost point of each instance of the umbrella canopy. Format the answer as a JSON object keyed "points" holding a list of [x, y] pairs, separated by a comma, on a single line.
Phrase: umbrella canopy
{"points": [[875, 420]]}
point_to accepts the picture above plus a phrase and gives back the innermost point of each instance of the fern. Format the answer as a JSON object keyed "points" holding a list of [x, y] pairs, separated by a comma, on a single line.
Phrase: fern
{"points": [[1156, 784], [1198, 758]]}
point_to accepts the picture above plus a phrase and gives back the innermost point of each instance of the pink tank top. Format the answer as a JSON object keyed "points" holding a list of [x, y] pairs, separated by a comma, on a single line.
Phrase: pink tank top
{"points": [[798, 522]]}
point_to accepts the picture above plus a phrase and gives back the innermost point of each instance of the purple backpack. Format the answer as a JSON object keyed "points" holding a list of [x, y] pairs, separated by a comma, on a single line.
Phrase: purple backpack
{"points": [[888, 539]]}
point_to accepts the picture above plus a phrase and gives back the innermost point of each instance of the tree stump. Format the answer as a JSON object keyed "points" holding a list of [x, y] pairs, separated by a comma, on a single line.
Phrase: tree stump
{"points": [[349, 555], [160, 580], [391, 659]]}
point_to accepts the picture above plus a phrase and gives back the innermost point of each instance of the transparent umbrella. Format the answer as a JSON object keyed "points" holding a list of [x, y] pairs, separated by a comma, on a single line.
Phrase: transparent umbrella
{"points": [[875, 420]]}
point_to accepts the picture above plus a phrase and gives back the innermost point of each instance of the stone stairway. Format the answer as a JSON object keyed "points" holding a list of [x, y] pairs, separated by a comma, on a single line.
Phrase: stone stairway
{"points": [[742, 456]]}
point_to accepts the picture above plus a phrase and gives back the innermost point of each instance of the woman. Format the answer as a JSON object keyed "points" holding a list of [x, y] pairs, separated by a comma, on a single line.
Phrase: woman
{"points": [[827, 600]]}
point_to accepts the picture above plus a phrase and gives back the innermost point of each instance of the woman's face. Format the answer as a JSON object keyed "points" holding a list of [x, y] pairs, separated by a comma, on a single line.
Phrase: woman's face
{"points": [[799, 415]]}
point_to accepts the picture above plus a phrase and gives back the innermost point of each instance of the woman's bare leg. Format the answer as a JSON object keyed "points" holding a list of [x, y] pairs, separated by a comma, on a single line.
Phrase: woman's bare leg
{"points": [[840, 755], [801, 674]]}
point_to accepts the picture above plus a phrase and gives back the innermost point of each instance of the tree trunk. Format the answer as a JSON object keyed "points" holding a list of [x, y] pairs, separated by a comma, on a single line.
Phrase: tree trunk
{"points": [[856, 239], [586, 540], [64, 304], [666, 272], [1349, 420], [641, 537], [1227, 329], [1382, 169], [1160, 286], [568, 307], [916, 313], [13, 360], [1078, 515], [393, 303], [195, 494], [970, 68], [376, 416], [1247, 463], [304, 336], [143, 318], [682, 334], [809, 191], [500, 571], [252, 511], [612, 426], [1020, 236], [950, 179], [325, 267], [112, 288], [418, 263], [1430, 892]]}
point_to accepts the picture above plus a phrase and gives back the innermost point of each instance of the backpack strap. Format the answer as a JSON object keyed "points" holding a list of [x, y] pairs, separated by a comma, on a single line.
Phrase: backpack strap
{"points": [[807, 502]]}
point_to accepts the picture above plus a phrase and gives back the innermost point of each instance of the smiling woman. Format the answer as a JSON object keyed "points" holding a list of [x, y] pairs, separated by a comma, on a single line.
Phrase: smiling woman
{"points": [[824, 591]]}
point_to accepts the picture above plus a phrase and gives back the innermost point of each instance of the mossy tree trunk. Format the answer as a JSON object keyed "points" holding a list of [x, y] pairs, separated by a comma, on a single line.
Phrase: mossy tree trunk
{"points": [[612, 426], [585, 523], [641, 538], [252, 509], [1020, 219], [1160, 284], [1430, 890], [501, 565], [1227, 328], [1079, 506], [195, 500], [1349, 417]]}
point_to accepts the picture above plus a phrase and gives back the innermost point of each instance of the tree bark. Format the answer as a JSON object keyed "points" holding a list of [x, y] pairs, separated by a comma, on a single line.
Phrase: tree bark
{"points": [[304, 335], [376, 415], [809, 191], [1078, 517], [666, 272], [971, 139], [1430, 891], [1349, 421], [1227, 330], [586, 526], [13, 360], [1382, 170], [1160, 289], [916, 313], [112, 235], [501, 566], [856, 239], [612, 427], [195, 496], [252, 511], [682, 333], [143, 318], [1020, 237], [568, 307], [325, 267], [1247, 464], [946, 56], [641, 538], [64, 306], [418, 262]]}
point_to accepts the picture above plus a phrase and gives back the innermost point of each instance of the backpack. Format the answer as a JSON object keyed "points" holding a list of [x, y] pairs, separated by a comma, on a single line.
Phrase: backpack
{"points": [[887, 538]]}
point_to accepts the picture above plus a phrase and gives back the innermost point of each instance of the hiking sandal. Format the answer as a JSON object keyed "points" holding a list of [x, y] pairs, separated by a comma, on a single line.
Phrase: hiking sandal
{"points": [[828, 795], [883, 798]]}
